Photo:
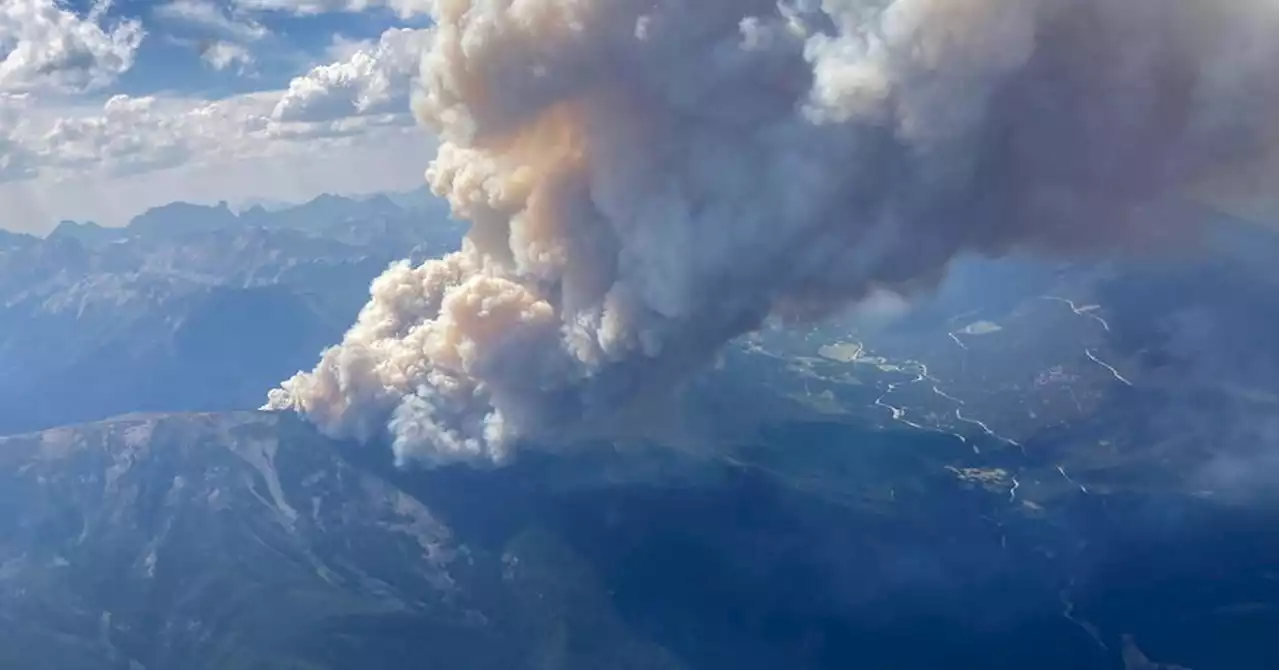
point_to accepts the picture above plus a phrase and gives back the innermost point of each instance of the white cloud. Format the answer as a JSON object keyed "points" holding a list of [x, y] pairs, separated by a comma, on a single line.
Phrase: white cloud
{"points": [[233, 29], [379, 159], [111, 162], [222, 55], [365, 92], [403, 8], [342, 127], [47, 46], [130, 135], [372, 79], [209, 16], [16, 160], [343, 48]]}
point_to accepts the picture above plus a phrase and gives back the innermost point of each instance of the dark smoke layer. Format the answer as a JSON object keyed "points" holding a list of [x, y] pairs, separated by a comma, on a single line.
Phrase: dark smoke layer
{"points": [[647, 179]]}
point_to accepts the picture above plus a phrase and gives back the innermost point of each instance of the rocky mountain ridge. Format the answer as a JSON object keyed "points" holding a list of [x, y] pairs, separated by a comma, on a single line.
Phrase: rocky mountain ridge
{"points": [[240, 540], [190, 307]]}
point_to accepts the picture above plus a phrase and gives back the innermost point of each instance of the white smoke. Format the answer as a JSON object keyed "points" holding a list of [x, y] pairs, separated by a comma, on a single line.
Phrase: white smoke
{"points": [[647, 179]]}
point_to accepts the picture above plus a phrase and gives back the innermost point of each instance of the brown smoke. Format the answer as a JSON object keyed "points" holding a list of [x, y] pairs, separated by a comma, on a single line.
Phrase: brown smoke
{"points": [[647, 179]]}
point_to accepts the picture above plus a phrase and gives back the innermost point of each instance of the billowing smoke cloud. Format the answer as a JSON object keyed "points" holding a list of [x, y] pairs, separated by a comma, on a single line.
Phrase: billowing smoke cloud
{"points": [[647, 179]]}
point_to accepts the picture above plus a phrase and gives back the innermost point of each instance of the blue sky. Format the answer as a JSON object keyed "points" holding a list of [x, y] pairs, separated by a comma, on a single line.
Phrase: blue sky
{"points": [[107, 108]]}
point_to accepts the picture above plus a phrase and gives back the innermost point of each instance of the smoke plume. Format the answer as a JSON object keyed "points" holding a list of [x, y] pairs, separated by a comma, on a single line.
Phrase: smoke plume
{"points": [[646, 179]]}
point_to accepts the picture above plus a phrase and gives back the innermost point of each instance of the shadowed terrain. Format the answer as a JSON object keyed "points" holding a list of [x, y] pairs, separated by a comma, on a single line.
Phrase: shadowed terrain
{"points": [[1076, 458]]}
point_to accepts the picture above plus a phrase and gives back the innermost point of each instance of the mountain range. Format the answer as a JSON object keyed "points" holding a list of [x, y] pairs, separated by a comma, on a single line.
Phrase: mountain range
{"points": [[244, 540], [191, 307], [1050, 465]]}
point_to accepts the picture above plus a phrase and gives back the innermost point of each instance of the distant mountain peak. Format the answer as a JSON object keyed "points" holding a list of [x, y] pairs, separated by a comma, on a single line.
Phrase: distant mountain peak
{"points": [[180, 217], [9, 238], [86, 232], [328, 199], [191, 306]]}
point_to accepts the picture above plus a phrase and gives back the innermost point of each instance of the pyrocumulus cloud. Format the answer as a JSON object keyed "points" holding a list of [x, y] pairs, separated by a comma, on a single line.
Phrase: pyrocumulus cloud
{"points": [[646, 179]]}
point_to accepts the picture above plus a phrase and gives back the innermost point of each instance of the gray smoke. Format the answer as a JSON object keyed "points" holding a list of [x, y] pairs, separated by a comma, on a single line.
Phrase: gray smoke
{"points": [[647, 179]]}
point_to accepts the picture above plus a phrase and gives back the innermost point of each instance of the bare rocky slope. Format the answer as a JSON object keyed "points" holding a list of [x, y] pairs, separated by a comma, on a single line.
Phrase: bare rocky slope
{"points": [[243, 540]]}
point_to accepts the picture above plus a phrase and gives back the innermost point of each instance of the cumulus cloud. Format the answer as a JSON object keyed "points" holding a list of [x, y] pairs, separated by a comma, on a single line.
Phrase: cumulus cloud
{"points": [[403, 8], [55, 146], [375, 160], [371, 79], [364, 91], [223, 55], [16, 161], [233, 32], [45, 45], [208, 16], [647, 180], [136, 134]]}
